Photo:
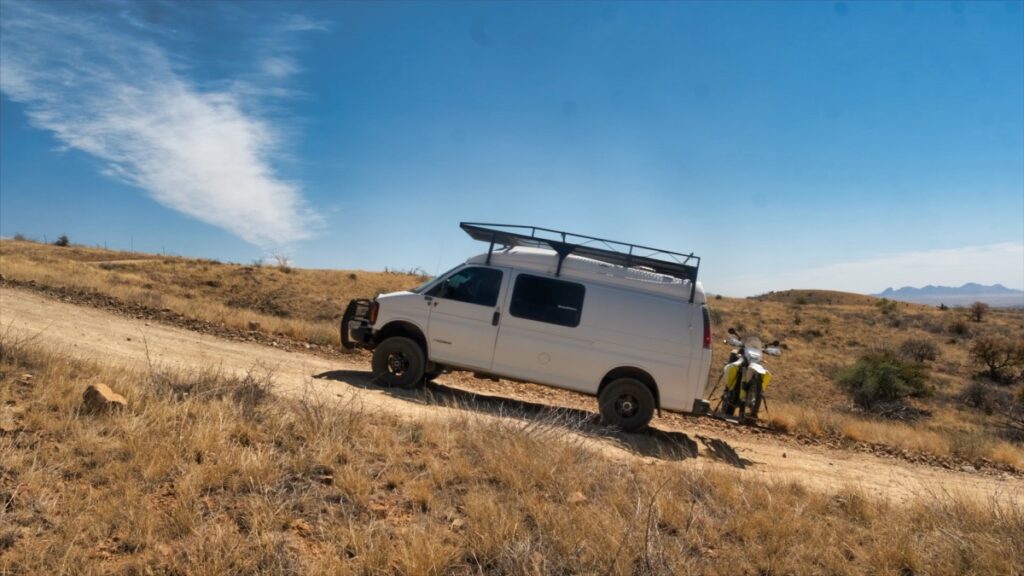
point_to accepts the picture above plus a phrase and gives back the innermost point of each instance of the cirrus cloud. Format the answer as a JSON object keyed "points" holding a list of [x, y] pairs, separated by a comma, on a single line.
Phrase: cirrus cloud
{"points": [[123, 99]]}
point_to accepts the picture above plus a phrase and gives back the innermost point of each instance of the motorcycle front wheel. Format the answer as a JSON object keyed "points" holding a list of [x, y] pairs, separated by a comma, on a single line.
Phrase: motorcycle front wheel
{"points": [[752, 405]]}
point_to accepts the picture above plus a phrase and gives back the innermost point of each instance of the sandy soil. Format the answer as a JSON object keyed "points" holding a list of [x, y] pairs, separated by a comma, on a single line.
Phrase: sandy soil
{"points": [[103, 336]]}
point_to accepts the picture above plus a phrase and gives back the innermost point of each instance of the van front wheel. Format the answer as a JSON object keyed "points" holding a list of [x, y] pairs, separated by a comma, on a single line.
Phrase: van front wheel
{"points": [[626, 403], [398, 363]]}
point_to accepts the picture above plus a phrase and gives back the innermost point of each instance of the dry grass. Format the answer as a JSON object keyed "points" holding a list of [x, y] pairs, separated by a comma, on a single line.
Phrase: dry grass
{"points": [[208, 474], [822, 332], [301, 304]]}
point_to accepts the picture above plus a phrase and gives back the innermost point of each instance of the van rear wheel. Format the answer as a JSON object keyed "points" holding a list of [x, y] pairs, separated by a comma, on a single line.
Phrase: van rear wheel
{"points": [[626, 403], [398, 363]]}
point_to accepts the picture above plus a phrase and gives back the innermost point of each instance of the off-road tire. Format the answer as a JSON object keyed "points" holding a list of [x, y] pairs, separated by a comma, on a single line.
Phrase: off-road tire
{"points": [[626, 403], [751, 405], [399, 362]]}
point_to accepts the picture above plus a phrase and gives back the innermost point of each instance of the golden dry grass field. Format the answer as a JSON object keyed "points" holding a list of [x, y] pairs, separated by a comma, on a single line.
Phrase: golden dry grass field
{"points": [[208, 473]]}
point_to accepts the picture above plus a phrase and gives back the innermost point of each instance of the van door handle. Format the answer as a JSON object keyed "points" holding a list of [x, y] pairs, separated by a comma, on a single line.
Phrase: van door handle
{"points": [[495, 318]]}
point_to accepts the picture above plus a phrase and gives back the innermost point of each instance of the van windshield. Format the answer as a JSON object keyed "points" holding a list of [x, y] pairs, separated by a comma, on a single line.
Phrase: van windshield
{"points": [[422, 288]]}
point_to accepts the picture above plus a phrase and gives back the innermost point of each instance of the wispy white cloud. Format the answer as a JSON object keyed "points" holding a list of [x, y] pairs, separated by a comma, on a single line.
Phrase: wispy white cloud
{"points": [[990, 264], [300, 23], [121, 99], [279, 66]]}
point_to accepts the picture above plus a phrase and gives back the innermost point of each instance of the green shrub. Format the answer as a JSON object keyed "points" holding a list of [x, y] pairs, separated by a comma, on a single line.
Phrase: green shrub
{"points": [[880, 376], [886, 306], [62, 241]]}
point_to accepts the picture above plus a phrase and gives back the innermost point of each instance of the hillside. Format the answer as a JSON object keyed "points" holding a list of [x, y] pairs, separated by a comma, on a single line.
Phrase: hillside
{"points": [[274, 303], [822, 332], [829, 297], [243, 451]]}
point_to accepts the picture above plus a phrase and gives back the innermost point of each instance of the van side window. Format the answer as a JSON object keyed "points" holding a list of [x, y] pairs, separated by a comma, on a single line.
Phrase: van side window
{"points": [[547, 300], [472, 285]]}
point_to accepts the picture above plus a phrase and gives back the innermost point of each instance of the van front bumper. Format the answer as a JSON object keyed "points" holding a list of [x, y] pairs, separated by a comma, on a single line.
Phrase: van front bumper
{"points": [[355, 328]]}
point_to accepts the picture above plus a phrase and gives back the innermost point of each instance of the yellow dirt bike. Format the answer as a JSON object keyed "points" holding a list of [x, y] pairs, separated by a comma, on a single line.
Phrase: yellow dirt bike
{"points": [[745, 377]]}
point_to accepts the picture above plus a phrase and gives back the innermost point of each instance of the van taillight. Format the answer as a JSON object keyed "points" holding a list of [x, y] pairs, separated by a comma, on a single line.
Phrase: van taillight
{"points": [[374, 308], [707, 327]]}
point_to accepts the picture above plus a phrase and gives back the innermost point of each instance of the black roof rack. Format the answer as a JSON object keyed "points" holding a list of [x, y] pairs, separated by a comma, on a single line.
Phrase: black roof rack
{"points": [[677, 264]]}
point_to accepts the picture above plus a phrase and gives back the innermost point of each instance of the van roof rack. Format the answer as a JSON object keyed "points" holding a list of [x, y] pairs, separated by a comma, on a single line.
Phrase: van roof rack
{"points": [[683, 266]]}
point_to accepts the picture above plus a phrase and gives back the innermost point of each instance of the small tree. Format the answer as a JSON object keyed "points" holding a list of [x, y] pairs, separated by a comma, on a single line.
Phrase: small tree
{"points": [[999, 357], [284, 263], [919, 350], [977, 311], [62, 241]]}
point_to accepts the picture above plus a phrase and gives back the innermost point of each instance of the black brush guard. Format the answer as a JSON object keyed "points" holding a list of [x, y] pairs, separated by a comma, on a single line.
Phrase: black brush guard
{"points": [[355, 325]]}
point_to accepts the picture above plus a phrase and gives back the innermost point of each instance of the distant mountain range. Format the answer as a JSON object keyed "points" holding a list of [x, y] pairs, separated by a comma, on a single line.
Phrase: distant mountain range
{"points": [[995, 295]]}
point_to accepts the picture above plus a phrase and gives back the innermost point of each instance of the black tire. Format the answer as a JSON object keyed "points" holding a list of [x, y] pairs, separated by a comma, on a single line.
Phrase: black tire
{"points": [[626, 403], [398, 363], [752, 404]]}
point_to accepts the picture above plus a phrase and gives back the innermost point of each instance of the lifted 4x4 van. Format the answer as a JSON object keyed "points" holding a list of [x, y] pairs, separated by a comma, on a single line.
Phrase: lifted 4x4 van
{"points": [[626, 323]]}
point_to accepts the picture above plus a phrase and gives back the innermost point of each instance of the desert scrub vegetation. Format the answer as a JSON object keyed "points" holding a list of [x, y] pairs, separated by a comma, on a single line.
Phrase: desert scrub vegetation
{"points": [[1000, 357], [205, 473], [822, 332], [280, 300], [880, 377]]}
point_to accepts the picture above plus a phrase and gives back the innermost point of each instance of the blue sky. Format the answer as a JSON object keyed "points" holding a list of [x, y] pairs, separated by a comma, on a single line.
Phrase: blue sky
{"points": [[850, 146]]}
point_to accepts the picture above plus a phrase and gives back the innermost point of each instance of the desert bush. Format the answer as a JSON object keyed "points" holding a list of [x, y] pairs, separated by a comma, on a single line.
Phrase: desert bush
{"points": [[62, 241], [717, 318], [880, 376], [283, 262], [1000, 358], [1013, 424], [919, 350], [886, 306], [977, 311], [984, 397], [959, 328]]}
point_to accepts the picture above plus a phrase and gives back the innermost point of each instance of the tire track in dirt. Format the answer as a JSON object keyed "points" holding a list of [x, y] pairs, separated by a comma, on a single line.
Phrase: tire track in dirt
{"points": [[106, 337]]}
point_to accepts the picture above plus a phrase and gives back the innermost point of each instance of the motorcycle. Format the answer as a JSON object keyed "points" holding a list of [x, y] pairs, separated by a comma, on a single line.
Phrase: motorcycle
{"points": [[745, 376]]}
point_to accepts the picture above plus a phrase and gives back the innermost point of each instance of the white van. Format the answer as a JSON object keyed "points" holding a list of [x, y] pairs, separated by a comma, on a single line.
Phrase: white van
{"points": [[626, 323]]}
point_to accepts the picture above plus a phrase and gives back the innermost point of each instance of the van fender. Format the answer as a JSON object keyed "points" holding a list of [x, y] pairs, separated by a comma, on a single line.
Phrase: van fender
{"points": [[402, 327], [629, 371]]}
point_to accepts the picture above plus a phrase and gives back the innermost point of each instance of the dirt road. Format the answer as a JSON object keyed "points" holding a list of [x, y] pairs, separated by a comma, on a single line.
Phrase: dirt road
{"points": [[96, 334]]}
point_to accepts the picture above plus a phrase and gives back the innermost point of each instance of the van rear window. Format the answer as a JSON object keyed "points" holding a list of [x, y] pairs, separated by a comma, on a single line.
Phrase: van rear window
{"points": [[547, 300]]}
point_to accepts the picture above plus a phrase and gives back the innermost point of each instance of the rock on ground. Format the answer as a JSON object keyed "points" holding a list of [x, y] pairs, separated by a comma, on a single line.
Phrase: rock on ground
{"points": [[99, 397]]}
